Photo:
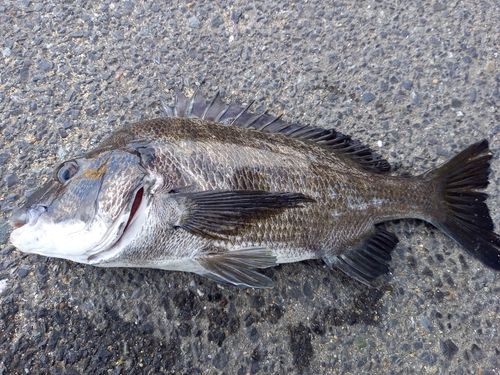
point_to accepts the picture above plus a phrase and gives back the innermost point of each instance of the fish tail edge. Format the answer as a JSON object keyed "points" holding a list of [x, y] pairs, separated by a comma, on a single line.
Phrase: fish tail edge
{"points": [[465, 216]]}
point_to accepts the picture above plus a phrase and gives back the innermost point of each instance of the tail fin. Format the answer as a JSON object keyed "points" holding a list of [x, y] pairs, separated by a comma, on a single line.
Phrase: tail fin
{"points": [[465, 217]]}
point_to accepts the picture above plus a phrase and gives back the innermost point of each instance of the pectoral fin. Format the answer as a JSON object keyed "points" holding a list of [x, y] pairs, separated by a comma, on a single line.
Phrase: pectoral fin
{"points": [[238, 267], [369, 259], [220, 213]]}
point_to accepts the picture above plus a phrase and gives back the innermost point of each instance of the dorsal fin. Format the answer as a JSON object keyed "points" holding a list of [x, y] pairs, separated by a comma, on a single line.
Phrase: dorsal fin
{"points": [[232, 114]]}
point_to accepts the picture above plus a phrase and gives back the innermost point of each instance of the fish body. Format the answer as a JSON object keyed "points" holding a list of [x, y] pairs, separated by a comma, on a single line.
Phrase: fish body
{"points": [[217, 190]]}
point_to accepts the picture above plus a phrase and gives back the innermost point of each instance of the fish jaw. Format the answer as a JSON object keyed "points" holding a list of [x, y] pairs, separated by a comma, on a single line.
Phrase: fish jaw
{"points": [[70, 240], [76, 240], [132, 225]]}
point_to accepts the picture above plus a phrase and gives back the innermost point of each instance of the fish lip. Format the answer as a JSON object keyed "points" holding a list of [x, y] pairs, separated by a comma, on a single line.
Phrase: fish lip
{"points": [[46, 238], [27, 215]]}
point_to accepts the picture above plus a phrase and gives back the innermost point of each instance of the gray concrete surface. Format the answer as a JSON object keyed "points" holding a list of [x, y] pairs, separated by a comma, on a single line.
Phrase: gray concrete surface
{"points": [[417, 81]]}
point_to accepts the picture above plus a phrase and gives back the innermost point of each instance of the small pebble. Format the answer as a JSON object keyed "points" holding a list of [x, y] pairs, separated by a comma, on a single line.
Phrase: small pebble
{"points": [[23, 271], [7, 250], [368, 97], [490, 67], [45, 65], [118, 35], [407, 84], [194, 22], [3, 157], [472, 95], [449, 349], [11, 180], [425, 323], [415, 98], [4, 230], [428, 357], [63, 133], [235, 15], [217, 21]]}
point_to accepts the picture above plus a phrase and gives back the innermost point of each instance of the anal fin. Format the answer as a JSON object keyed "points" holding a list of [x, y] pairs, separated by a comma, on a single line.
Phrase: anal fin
{"points": [[369, 259], [238, 267]]}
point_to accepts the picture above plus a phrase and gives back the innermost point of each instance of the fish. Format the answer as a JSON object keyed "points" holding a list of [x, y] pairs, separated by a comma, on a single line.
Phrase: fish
{"points": [[215, 189]]}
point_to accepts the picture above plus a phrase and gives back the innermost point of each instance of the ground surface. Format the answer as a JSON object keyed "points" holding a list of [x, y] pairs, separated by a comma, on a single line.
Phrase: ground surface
{"points": [[417, 81]]}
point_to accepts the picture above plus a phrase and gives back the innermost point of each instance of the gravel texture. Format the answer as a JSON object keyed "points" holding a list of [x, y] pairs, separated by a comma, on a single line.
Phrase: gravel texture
{"points": [[417, 81]]}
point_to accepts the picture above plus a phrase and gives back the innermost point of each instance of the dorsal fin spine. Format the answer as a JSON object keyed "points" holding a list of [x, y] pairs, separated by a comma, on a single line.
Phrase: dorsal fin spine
{"points": [[252, 120], [270, 122], [210, 104], [241, 113], [282, 127], [189, 108], [222, 112]]}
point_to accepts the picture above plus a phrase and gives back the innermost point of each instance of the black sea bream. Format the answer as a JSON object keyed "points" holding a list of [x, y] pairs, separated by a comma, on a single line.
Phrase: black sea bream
{"points": [[217, 190]]}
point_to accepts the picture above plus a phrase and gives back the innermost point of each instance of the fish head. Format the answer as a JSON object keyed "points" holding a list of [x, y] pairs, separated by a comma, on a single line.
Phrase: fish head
{"points": [[83, 208]]}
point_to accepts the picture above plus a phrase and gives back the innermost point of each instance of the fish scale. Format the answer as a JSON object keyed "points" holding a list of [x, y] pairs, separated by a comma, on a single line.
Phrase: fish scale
{"points": [[217, 190], [211, 161]]}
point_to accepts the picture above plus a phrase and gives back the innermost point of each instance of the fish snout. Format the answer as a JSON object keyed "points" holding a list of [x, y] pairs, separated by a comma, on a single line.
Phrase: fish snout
{"points": [[24, 215]]}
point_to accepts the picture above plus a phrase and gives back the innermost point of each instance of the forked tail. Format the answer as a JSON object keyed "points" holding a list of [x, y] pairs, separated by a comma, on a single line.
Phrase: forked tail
{"points": [[465, 217]]}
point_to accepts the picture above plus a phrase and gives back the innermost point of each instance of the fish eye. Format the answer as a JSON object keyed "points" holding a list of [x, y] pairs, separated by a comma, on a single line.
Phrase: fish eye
{"points": [[66, 171]]}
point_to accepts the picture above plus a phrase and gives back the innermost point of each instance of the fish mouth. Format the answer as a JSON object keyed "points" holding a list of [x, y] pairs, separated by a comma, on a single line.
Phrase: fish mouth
{"points": [[36, 233], [26, 215], [122, 232], [133, 210]]}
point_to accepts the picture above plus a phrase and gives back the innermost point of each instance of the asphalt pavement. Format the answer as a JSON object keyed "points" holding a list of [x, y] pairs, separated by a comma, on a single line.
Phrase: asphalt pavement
{"points": [[417, 81]]}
